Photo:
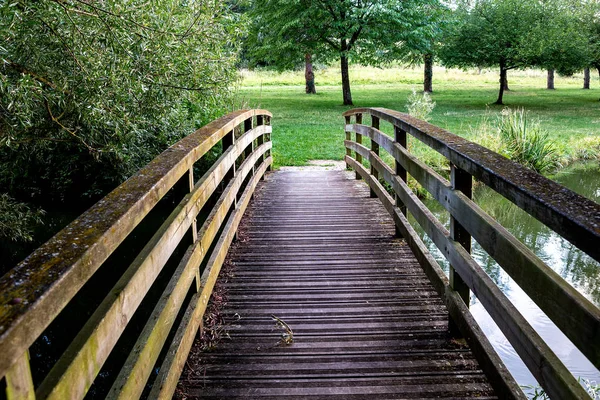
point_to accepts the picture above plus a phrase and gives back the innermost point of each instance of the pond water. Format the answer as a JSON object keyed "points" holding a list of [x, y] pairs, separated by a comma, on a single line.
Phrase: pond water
{"points": [[573, 265]]}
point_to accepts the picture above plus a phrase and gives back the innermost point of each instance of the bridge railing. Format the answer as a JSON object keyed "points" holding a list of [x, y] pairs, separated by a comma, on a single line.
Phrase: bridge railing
{"points": [[34, 293], [574, 217]]}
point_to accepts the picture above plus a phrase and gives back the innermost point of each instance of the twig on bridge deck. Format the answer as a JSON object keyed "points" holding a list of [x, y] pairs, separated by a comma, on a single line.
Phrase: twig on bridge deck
{"points": [[287, 337]]}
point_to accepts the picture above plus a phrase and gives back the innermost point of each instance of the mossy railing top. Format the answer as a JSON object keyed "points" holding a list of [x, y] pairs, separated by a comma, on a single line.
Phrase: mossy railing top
{"points": [[574, 217], [33, 294]]}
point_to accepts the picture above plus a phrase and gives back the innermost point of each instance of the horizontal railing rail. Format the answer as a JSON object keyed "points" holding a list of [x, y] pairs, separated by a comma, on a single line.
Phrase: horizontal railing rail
{"points": [[572, 216], [33, 294]]}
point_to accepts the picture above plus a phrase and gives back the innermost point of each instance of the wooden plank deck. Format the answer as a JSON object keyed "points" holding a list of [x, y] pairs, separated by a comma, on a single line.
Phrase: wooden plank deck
{"points": [[316, 252]]}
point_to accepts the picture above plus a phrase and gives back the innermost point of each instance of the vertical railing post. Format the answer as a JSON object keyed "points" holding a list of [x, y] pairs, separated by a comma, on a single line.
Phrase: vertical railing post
{"points": [[348, 137], [400, 138], [19, 383], [248, 151], [374, 149], [227, 142], [267, 121], [462, 181], [260, 120], [237, 132], [194, 227], [358, 139], [194, 223]]}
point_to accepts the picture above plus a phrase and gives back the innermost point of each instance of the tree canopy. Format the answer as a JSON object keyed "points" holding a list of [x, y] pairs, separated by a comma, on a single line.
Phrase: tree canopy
{"points": [[424, 49], [91, 91], [369, 32], [513, 34], [558, 39], [591, 21]]}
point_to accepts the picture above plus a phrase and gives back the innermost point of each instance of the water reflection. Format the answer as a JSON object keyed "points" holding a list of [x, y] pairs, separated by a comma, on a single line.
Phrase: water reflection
{"points": [[576, 267], [573, 265]]}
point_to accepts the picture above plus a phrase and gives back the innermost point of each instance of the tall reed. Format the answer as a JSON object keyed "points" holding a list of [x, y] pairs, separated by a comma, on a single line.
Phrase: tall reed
{"points": [[526, 142]]}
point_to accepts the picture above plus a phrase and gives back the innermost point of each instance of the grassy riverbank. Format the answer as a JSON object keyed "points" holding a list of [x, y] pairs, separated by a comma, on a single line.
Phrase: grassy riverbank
{"points": [[311, 127]]}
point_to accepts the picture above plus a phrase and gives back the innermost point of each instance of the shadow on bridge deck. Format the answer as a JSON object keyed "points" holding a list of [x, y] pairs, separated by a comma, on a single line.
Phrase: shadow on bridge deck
{"points": [[318, 254]]}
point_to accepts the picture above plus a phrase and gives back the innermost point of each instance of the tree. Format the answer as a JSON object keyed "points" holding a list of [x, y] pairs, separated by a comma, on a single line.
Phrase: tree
{"points": [[488, 33], [591, 19], [578, 27], [309, 75], [422, 47], [368, 31], [91, 91], [513, 34], [558, 39], [279, 40], [428, 73], [550, 80]]}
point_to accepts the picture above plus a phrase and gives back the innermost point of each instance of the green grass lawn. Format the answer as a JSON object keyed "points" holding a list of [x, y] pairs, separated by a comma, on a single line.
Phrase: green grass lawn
{"points": [[307, 127]]}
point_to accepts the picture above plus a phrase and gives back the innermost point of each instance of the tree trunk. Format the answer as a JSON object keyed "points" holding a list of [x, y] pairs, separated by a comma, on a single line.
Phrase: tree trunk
{"points": [[345, 77], [503, 84], [309, 75], [586, 78], [506, 88], [428, 73], [550, 80]]}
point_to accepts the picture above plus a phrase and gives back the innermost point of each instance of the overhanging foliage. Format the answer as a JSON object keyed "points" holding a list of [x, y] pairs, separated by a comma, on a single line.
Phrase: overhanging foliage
{"points": [[91, 91]]}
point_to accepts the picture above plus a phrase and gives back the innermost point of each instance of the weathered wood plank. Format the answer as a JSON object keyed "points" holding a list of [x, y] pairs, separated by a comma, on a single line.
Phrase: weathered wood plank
{"points": [[374, 149], [19, 383], [492, 365], [463, 182], [359, 306], [358, 139], [49, 278], [171, 368], [348, 136], [550, 372], [574, 217], [545, 287], [138, 366], [400, 138], [74, 373]]}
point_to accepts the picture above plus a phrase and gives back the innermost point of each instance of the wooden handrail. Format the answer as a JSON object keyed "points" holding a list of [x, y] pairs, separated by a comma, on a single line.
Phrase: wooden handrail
{"points": [[34, 292], [574, 217], [554, 205]]}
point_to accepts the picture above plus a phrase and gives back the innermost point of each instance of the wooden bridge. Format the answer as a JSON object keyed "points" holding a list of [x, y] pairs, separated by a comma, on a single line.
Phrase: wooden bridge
{"points": [[328, 291]]}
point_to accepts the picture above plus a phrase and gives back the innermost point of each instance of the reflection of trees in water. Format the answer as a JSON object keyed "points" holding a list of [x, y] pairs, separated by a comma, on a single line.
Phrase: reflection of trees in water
{"points": [[444, 218], [572, 264], [579, 268], [435, 252], [491, 267], [518, 222], [583, 180], [483, 259], [583, 272]]}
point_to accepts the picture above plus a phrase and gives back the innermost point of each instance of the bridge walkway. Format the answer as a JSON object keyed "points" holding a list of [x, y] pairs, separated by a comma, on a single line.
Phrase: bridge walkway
{"points": [[321, 299]]}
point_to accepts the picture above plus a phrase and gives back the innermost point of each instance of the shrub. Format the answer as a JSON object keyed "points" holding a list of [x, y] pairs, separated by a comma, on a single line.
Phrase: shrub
{"points": [[17, 220], [419, 105], [92, 91]]}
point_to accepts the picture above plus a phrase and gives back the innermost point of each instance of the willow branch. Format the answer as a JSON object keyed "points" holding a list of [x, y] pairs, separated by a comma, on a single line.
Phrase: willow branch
{"points": [[188, 88], [64, 44], [20, 68], [69, 131]]}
